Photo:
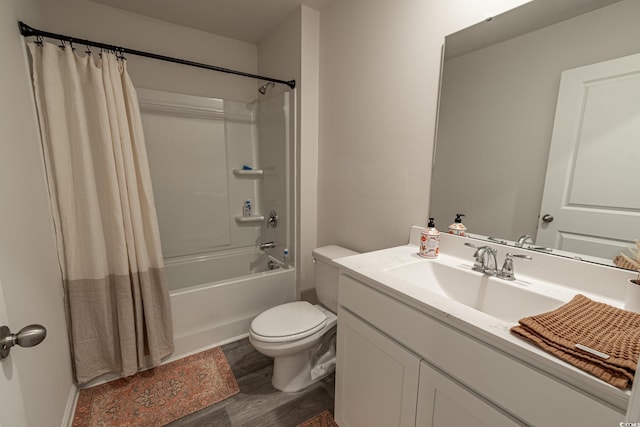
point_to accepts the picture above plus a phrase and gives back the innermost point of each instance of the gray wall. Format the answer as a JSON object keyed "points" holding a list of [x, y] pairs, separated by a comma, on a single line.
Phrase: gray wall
{"points": [[379, 75], [94, 21]]}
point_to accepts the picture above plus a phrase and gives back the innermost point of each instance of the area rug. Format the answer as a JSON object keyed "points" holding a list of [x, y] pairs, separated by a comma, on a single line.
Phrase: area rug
{"points": [[323, 419], [160, 395]]}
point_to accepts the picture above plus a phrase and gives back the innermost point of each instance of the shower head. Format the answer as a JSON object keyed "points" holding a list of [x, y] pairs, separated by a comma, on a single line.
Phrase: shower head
{"points": [[263, 89]]}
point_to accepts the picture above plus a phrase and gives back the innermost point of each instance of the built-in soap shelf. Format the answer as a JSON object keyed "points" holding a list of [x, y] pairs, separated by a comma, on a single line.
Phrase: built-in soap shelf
{"points": [[248, 173], [249, 219]]}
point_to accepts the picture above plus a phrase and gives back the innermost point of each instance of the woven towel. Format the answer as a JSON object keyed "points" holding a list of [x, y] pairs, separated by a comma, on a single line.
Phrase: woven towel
{"points": [[599, 326]]}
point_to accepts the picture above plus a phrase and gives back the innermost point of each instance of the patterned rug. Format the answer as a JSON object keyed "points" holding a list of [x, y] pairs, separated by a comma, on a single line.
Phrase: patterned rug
{"points": [[324, 419], [160, 395]]}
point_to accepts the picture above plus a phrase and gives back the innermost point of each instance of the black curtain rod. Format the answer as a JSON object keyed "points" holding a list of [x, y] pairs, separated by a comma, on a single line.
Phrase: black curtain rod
{"points": [[28, 31]]}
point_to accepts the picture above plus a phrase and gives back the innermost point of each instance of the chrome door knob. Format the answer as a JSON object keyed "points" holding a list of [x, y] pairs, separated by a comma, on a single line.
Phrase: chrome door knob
{"points": [[547, 218], [27, 337]]}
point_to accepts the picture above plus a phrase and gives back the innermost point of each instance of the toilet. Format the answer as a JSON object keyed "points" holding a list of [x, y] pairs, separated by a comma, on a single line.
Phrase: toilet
{"points": [[301, 337]]}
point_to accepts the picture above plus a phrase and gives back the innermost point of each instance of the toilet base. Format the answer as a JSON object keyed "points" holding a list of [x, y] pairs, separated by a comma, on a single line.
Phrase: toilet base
{"points": [[298, 364], [297, 372]]}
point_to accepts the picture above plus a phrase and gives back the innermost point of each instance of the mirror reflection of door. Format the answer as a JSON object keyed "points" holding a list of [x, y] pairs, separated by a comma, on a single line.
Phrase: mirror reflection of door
{"points": [[592, 186]]}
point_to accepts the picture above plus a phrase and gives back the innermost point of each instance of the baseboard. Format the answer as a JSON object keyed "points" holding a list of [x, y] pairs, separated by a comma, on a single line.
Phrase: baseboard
{"points": [[70, 408]]}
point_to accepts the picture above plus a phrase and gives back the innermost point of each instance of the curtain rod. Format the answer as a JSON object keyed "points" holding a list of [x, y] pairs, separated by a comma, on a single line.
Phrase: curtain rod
{"points": [[28, 31]]}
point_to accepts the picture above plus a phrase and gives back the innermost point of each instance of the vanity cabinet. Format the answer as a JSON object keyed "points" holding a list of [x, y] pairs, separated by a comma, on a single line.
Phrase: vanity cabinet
{"points": [[399, 366], [442, 402], [379, 378], [381, 383]]}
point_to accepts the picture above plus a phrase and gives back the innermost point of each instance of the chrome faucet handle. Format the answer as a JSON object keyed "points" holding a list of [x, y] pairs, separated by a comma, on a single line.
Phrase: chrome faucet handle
{"points": [[478, 256], [273, 219], [507, 268]]}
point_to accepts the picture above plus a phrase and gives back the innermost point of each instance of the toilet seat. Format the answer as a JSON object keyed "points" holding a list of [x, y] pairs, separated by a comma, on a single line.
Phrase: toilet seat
{"points": [[288, 322]]}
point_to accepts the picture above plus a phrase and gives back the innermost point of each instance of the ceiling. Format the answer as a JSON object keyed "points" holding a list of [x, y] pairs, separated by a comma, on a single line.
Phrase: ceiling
{"points": [[529, 17], [246, 20]]}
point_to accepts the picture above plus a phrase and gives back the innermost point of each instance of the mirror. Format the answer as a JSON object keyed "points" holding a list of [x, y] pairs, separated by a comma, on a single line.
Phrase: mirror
{"points": [[498, 98]]}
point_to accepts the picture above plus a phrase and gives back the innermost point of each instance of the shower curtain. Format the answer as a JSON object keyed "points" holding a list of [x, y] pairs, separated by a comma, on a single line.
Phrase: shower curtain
{"points": [[117, 302]]}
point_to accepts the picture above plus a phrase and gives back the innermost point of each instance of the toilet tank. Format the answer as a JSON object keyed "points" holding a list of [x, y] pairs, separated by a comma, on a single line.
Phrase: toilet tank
{"points": [[326, 276]]}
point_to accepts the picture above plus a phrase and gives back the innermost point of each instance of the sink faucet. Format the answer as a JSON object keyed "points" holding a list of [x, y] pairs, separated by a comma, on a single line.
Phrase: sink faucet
{"points": [[524, 240], [485, 259], [267, 245], [486, 262]]}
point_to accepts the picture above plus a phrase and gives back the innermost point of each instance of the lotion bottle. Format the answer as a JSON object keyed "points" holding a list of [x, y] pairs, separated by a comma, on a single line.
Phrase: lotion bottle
{"points": [[246, 208], [285, 258], [430, 241], [458, 228]]}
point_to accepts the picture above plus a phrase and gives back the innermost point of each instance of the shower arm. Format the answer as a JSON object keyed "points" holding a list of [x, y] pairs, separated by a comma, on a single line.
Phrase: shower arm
{"points": [[27, 31]]}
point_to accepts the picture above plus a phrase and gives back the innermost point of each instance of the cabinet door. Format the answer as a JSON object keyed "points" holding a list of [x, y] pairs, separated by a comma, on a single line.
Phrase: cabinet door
{"points": [[444, 403], [376, 379]]}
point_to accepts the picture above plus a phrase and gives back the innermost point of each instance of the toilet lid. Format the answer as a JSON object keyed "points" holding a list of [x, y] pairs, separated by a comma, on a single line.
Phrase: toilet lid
{"points": [[288, 322]]}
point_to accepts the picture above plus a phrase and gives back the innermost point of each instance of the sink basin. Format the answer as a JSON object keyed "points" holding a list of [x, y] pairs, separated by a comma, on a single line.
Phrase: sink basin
{"points": [[503, 299]]}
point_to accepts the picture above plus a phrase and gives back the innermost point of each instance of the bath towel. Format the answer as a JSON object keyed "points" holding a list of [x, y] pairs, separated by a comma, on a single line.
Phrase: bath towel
{"points": [[582, 322]]}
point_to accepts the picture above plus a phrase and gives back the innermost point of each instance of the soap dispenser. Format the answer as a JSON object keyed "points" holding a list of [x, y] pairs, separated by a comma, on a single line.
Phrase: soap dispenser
{"points": [[458, 227], [430, 241]]}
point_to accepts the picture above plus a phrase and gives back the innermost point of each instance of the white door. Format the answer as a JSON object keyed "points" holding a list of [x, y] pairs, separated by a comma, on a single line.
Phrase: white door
{"points": [[12, 413], [591, 200]]}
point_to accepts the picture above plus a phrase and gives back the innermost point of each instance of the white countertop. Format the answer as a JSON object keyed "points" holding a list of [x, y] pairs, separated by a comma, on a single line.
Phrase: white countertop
{"points": [[371, 268]]}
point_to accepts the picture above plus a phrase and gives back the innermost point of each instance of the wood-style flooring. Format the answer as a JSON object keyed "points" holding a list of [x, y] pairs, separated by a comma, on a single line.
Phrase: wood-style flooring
{"points": [[259, 403]]}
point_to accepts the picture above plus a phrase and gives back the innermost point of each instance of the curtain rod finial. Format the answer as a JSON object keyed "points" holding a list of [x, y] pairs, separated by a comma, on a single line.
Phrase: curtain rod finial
{"points": [[25, 30]]}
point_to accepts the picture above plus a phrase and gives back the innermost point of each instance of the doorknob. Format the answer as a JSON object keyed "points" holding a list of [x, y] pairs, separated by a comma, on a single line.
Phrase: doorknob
{"points": [[27, 337], [547, 218]]}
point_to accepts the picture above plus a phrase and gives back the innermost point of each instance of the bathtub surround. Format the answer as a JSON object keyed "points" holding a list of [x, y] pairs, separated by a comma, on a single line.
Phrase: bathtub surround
{"points": [[197, 147], [103, 210]]}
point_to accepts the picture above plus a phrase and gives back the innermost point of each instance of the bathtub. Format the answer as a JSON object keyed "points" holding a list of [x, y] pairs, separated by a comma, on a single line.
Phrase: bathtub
{"points": [[215, 297]]}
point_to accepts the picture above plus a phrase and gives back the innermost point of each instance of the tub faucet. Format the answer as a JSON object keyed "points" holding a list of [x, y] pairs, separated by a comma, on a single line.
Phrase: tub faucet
{"points": [[267, 245], [485, 259]]}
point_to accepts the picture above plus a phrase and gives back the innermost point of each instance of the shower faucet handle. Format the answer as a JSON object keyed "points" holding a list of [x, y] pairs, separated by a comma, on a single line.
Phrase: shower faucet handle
{"points": [[272, 221]]}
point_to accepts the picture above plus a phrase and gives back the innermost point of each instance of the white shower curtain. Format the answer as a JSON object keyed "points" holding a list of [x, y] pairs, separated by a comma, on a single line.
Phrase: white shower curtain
{"points": [[102, 203]]}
